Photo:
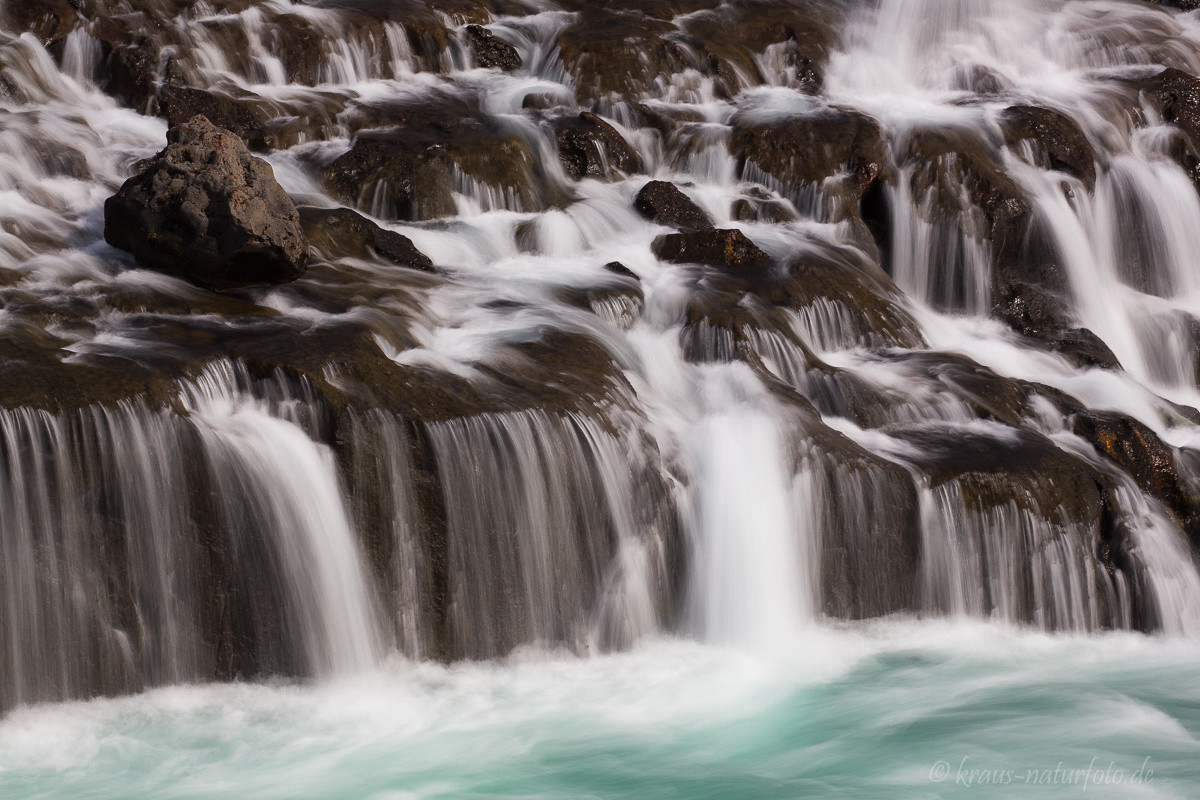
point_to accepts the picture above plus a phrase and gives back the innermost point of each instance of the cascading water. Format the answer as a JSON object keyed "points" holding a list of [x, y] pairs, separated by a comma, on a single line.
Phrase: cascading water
{"points": [[940, 430]]}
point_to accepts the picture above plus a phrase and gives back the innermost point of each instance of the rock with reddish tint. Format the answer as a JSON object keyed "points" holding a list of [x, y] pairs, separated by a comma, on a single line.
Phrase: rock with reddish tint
{"points": [[728, 249], [206, 210]]}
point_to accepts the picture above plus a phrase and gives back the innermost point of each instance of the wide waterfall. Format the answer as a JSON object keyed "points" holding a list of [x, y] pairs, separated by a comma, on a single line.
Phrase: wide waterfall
{"points": [[684, 398]]}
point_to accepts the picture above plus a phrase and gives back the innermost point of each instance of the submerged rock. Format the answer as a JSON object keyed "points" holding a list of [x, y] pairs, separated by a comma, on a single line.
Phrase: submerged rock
{"points": [[208, 211], [664, 203]]}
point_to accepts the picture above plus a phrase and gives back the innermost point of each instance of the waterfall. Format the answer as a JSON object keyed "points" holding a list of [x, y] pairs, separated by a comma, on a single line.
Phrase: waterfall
{"points": [[960, 382]]}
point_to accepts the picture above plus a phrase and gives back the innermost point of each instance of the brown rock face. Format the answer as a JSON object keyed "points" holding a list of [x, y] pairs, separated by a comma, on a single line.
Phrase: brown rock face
{"points": [[589, 147], [1059, 137], [490, 51], [729, 249], [335, 232], [208, 211]]}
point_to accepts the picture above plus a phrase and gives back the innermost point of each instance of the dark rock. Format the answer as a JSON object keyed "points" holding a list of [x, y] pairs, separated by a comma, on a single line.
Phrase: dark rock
{"points": [[410, 173], [1019, 466], [49, 20], [736, 34], [589, 147], [870, 304], [490, 51], [728, 249], [621, 54], [617, 268], [1061, 141], [665, 204], [655, 9], [1176, 96], [132, 72], [208, 211], [1183, 5], [951, 165], [1035, 312], [1147, 459], [181, 103], [759, 205], [340, 232], [870, 547], [1068, 506], [808, 150]]}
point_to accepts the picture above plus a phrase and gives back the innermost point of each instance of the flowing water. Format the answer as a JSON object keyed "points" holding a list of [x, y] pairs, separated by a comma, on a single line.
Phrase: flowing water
{"points": [[612, 532]]}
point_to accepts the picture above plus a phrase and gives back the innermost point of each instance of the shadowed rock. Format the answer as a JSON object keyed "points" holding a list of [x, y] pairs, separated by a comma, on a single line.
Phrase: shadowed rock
{"points": [[1176, 96], [206, 210]]}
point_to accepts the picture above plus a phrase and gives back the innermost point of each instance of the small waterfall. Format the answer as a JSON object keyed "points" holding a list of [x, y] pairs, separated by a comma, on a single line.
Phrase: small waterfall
{"points": [[1009, 563], [944, 262], [545, 534], [272, 481]]}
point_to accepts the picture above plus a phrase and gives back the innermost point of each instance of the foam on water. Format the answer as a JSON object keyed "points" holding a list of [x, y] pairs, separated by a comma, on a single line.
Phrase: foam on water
{"points": [[871, 710]]}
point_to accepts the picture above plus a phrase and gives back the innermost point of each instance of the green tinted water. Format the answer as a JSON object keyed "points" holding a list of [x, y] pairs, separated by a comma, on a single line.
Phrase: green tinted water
{"points": [[896, 710]]}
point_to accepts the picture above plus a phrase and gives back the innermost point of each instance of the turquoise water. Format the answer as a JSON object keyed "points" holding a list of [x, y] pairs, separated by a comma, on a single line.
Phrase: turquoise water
{"points": [[890, 710]]}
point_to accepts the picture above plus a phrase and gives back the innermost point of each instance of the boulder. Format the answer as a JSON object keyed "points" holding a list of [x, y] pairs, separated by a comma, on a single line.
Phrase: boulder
{"points": [[341, 232], [589, 147], [664, 203], [728, 249], [490, 51], [957, 178], [208, 211], [1033, 311]]}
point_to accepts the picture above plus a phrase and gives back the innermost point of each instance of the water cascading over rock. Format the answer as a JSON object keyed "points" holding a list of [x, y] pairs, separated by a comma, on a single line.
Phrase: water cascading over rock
{"points": [[571, 325]]}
